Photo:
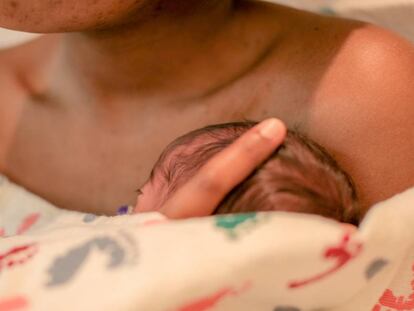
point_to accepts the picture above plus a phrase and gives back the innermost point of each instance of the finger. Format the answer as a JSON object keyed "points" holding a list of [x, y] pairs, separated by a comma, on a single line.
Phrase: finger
{"points": [[202, 193]]}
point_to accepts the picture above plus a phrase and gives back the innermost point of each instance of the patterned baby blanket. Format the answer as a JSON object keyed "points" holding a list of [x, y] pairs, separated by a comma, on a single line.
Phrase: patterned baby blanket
{"points": [[51, 259]]}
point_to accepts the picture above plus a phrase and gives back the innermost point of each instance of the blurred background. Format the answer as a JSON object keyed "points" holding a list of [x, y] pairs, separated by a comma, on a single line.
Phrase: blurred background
{"points": [[397, 15]]}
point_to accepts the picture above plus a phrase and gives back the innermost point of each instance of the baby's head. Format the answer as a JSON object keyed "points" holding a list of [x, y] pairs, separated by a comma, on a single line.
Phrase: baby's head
{"points": [[300, 176]]}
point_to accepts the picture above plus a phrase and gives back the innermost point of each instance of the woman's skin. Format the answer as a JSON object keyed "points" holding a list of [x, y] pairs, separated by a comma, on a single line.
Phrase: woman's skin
{"points": [[203, 192], [84, 114]]}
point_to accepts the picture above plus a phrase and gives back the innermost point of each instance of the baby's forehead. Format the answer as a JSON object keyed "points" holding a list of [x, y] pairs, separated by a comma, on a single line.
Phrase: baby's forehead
{"points": [[180, 152]]}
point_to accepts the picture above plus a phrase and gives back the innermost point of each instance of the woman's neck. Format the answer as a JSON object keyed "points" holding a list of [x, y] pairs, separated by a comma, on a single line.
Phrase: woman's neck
{"points": [[173, 52]]}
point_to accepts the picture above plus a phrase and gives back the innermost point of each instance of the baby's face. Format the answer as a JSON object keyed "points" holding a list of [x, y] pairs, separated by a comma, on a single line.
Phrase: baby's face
{"points": [[151, 195]]}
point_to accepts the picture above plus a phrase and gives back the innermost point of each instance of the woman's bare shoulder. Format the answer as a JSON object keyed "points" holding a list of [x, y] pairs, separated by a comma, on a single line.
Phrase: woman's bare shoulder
{"points": [[20, 68], [364, 110], [377, 50], [29, 54], [376, 66], [23, 66], [358, 102]]}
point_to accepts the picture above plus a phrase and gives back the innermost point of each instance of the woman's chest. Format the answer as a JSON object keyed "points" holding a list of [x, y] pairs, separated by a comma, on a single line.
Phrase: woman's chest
{"points": [[94, 160], [97, 164]]}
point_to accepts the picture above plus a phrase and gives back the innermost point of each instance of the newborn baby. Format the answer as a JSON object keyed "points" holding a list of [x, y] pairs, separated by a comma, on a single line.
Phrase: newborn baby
{"points": [[300, 176]]}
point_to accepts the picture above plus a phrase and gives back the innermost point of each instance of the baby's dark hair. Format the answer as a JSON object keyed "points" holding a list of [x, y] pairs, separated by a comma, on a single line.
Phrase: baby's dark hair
{"points": [[300, 176]]}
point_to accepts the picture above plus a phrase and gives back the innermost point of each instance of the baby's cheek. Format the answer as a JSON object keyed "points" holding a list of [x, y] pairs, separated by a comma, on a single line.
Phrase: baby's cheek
{"points": [[141, 206], [148, 201], [152, 195]]}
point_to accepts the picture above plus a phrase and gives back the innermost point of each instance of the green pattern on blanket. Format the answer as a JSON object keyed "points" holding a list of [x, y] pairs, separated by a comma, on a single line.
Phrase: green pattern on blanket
{"points": [[234, 225], [232, 221]]}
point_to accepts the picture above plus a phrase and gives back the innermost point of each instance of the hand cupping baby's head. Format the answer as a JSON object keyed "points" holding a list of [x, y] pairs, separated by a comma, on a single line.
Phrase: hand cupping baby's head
{"points": [[300, 176]]}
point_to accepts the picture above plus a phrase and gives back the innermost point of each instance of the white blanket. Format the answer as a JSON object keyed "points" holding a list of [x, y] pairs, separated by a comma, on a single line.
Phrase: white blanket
{"points": [[64, 260]]}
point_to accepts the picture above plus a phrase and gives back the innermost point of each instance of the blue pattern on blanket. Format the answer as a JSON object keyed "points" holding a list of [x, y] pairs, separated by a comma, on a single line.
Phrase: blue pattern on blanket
{"points": [[64, 268]]}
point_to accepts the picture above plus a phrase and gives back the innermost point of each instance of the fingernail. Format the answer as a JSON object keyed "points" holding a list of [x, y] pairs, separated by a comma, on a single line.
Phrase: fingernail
{"points": [[270, 128]]}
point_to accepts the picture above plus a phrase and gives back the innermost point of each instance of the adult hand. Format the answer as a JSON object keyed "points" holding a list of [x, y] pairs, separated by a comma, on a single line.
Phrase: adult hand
{"points": [[202, 193]]}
